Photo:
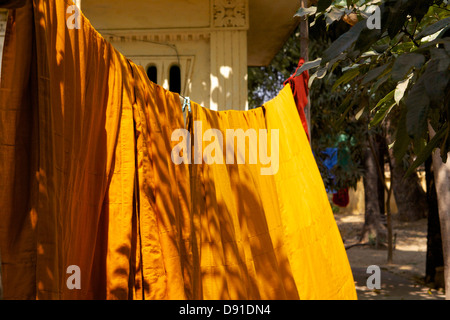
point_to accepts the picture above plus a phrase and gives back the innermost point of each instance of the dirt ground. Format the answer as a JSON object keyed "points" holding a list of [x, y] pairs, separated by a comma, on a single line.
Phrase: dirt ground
{"points": [[403, 279]]}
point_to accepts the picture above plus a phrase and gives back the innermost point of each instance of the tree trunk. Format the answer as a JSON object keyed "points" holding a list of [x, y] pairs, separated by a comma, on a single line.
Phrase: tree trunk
{"points": [[380, 148], [373, 230], [304, 53], [442, 180], [409, 195], [434, 241]]}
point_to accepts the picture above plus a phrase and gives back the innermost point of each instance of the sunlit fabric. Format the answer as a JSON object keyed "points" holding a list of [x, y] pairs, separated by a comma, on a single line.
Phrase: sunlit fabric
{"points": [[316, 252], [238, 228], [87, 180], [265, 236]]}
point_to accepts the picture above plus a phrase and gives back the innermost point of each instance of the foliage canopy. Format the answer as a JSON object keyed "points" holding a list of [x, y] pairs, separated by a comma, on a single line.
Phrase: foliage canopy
{"points": [[404, 67]]}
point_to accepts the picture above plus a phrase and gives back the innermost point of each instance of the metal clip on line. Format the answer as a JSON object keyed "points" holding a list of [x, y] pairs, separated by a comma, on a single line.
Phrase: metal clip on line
{"points": [[187, 103]]}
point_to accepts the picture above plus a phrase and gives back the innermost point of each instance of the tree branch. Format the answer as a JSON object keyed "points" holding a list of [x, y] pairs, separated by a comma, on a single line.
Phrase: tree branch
{"points": [[410, 36], [356, 245]]}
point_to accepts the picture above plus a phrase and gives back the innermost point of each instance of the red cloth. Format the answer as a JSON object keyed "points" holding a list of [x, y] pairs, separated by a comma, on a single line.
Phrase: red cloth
{"points": [[299, 86], [341, 198]]}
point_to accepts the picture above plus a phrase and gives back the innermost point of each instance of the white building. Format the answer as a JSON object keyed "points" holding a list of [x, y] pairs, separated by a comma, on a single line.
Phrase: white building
{"points": [[200, 48]]}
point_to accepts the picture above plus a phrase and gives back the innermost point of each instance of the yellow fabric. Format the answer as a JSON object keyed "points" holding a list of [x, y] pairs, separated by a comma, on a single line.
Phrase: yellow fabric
{"points": [[316, 253], [265, 236], [239, 233], [87, 179]]}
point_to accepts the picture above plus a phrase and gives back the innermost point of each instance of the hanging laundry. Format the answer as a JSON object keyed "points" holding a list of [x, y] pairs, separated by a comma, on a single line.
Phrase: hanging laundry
{"points": [[341, 198], [330, 162], [317, 255], [88, 181], [87, 178], [338, 156], [266, 237], [300, 90], [239, 228]]}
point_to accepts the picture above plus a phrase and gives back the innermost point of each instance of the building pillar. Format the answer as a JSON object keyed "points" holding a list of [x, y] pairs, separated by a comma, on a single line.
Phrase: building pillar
{"points": [[229, 55]]}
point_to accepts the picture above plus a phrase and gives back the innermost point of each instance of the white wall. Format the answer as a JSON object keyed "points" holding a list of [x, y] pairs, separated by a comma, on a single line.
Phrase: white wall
{"points": [[194, 58], [210, 34]]}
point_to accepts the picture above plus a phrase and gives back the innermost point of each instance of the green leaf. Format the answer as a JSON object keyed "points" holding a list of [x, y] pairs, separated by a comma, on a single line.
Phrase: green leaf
{"points": [[427, 151], [344, 42], [386, 100], [308, 65], [322, 5], [437, 75], [401, 88], [418, 9], [319, 74], [447, 47], [381, 114], [344, 104], [426, 46], [404, 64], [366, 39], [402, 139], [306, 11], [349, 99], [419, 144], [380, 82], [346, 77], [403, 48], [374, 73], [334, 15], [360, 113], [441, 24], [336, 61], [381, 48], [417, 104], [398, 16]]}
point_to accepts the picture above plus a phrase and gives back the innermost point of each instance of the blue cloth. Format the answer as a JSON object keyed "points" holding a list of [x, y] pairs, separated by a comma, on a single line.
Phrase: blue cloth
{"points": [[330, 161], [332, 157]]}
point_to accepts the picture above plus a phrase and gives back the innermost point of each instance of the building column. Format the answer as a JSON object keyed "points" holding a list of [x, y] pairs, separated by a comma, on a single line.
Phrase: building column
{"points": [[229, 89]]}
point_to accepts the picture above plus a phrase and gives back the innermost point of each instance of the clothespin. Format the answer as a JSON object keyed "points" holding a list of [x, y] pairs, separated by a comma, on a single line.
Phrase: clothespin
{"points": [[187, 103]]}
